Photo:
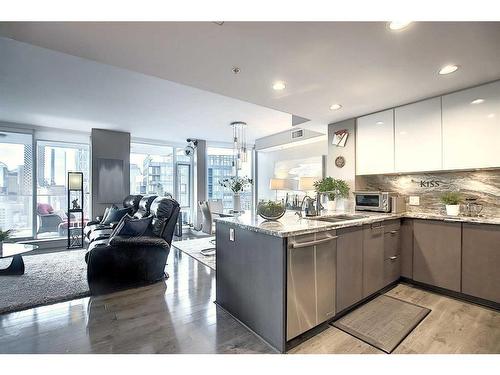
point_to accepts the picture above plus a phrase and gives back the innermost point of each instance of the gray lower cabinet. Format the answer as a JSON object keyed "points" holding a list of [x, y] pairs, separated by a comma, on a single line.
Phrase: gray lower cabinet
{"points": [[381, 255], [349, 267], [407, 248], [392, 251], [310, 281], [250, 280], [437, 253], [373, 258], [481, 261]]}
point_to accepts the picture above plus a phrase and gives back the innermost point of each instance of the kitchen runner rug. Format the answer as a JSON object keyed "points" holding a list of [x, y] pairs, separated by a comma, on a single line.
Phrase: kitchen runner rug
{"points": [[383, 322]]}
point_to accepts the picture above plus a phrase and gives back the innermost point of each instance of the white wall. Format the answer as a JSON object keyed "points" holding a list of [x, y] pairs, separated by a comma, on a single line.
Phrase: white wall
{"points": [[266, 161]]}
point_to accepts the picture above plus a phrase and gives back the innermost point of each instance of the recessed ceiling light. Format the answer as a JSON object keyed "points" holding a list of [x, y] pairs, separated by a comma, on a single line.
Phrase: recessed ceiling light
{"points": [[447, 69], [279, 85], [491, 115], [477, 101], [379, 123], [398, 25], [335, 107]]}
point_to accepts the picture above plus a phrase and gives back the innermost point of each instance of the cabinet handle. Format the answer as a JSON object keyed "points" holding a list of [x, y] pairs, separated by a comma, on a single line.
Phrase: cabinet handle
{"points": [[298, 245], [393, 232], [393, 258]]}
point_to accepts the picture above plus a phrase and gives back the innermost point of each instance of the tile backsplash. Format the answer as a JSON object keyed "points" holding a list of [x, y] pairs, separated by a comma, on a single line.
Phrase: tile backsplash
{"points": [[483, 185]]}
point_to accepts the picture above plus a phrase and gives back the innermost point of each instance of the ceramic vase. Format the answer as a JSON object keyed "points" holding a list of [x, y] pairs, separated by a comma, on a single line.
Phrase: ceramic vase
{"points": [[236, 202], [452, 209]]}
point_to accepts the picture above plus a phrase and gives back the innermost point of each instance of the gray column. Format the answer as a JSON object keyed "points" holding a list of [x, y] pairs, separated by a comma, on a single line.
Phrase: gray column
{"points": [[200, 179], [107, 144]]}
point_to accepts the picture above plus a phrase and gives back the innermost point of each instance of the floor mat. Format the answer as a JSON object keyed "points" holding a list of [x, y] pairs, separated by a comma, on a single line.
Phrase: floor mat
{"points": [[194, 247], [383, 322]]}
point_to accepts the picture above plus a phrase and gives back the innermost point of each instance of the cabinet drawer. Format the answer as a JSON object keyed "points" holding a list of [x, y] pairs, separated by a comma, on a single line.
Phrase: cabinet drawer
{"points": [[392, 243], [392, 269], [391, 225]]}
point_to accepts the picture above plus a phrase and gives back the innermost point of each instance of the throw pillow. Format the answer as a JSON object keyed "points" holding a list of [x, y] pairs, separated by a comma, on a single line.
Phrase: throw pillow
{"points": [[106, 211], [44, 209], [131, 227], [115, 215]]}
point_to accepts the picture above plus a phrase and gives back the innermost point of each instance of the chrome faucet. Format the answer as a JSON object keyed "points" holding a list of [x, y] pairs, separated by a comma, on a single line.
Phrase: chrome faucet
{"points": [[313, 206]]}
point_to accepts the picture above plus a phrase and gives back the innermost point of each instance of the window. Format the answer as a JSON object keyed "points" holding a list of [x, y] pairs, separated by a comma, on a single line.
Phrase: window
{"points": [[220, 166], [184, 186], [151, 169], [16, 183], [54, 161]]}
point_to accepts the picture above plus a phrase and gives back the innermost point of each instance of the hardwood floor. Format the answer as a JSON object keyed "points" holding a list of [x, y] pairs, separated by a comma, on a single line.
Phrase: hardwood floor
{"points": [[179, 316], [175, 316], [452, 326]]}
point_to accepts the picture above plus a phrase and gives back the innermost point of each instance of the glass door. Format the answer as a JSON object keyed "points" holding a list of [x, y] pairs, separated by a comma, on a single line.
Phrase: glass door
{"points": [[54, 161], [16, 183], [183, 190]]}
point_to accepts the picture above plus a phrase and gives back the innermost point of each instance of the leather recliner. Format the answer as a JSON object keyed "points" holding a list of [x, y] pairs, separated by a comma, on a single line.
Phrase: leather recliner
{"points": [[130, 201], [131, 261]]}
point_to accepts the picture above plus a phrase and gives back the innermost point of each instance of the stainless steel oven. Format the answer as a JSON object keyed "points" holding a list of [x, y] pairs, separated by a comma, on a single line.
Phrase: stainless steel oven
{"points": [[379, 201]]}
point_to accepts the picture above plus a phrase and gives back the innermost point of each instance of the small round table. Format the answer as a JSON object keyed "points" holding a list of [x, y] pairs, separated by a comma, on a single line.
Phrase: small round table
{"points": [[15, 251]]}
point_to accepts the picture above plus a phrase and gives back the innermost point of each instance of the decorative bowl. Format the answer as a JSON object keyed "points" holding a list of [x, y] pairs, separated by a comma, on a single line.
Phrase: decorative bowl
{"points": [[271, 210]]}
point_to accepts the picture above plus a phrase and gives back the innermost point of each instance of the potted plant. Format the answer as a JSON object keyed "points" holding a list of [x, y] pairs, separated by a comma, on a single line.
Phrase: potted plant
{"points": [[4, 236], [271, 210], [452, 201], [237, 185], [333, 188]]}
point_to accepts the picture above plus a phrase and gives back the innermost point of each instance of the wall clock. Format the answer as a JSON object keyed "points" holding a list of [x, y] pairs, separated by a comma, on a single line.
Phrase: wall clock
{"points": [[340, 161]]}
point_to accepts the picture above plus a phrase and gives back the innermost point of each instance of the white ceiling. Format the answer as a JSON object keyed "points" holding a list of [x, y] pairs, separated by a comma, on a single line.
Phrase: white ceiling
{"points": [[52, 89], [361, 65]]}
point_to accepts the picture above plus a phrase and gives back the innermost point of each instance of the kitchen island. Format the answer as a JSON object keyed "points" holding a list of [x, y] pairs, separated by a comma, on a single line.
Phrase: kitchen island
{"points": [[287, 279]]}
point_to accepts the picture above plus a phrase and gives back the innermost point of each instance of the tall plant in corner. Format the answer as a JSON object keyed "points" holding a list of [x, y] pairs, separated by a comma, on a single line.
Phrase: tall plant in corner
{"points": [[4, 236]]}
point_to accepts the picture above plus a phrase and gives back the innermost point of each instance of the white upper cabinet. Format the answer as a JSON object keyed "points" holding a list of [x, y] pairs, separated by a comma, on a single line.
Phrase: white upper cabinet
{"points": [[417, 136], [471, 128], [375, 143]]}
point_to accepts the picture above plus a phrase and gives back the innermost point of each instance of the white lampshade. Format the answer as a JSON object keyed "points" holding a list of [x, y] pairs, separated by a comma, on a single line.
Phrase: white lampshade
{"points": [[75, 181], [307, 183], [278, 184]]}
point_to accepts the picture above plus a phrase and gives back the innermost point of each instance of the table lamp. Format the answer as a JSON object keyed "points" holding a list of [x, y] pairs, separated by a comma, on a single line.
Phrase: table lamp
{"points": [[277, 184]]}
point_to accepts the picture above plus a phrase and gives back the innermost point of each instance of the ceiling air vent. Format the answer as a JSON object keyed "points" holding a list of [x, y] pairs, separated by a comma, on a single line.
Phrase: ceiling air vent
{"points": [[296, 134]]}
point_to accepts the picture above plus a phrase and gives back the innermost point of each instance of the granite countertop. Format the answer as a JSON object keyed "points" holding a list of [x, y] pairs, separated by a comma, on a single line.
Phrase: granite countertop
{"points": [[292, 225]]}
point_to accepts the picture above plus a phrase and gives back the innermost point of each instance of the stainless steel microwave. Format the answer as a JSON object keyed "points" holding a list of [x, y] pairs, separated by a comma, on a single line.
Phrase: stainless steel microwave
{"points": [[379, 201]]}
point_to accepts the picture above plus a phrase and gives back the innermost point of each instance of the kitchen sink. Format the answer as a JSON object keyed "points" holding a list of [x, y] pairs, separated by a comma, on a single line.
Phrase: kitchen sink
{"points": [[337, 218]]}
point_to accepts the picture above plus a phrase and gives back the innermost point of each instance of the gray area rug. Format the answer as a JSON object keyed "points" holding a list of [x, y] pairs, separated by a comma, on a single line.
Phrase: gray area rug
{"points": [[193, 248], [383, 322], [48, 278]]}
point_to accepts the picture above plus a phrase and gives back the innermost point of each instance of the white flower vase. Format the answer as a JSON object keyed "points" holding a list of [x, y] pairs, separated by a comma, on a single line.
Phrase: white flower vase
{"points": [[236, 202], [331, 205], [452, 209], [341, 204]]}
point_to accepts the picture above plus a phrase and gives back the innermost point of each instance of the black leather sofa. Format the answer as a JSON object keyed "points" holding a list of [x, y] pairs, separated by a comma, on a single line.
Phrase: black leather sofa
{"points": [[131, 202], [123, 262], [100, 232]]}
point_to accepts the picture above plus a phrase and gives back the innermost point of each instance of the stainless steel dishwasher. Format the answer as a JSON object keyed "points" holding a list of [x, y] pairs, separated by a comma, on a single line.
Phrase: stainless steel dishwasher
{"points": [[311, 273]]}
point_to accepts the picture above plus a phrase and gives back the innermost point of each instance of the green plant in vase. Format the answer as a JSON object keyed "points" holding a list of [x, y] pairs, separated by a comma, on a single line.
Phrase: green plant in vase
{"points": [[237, 185], [4, 235], [271, 210], [333, 189], [452, 200]]}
